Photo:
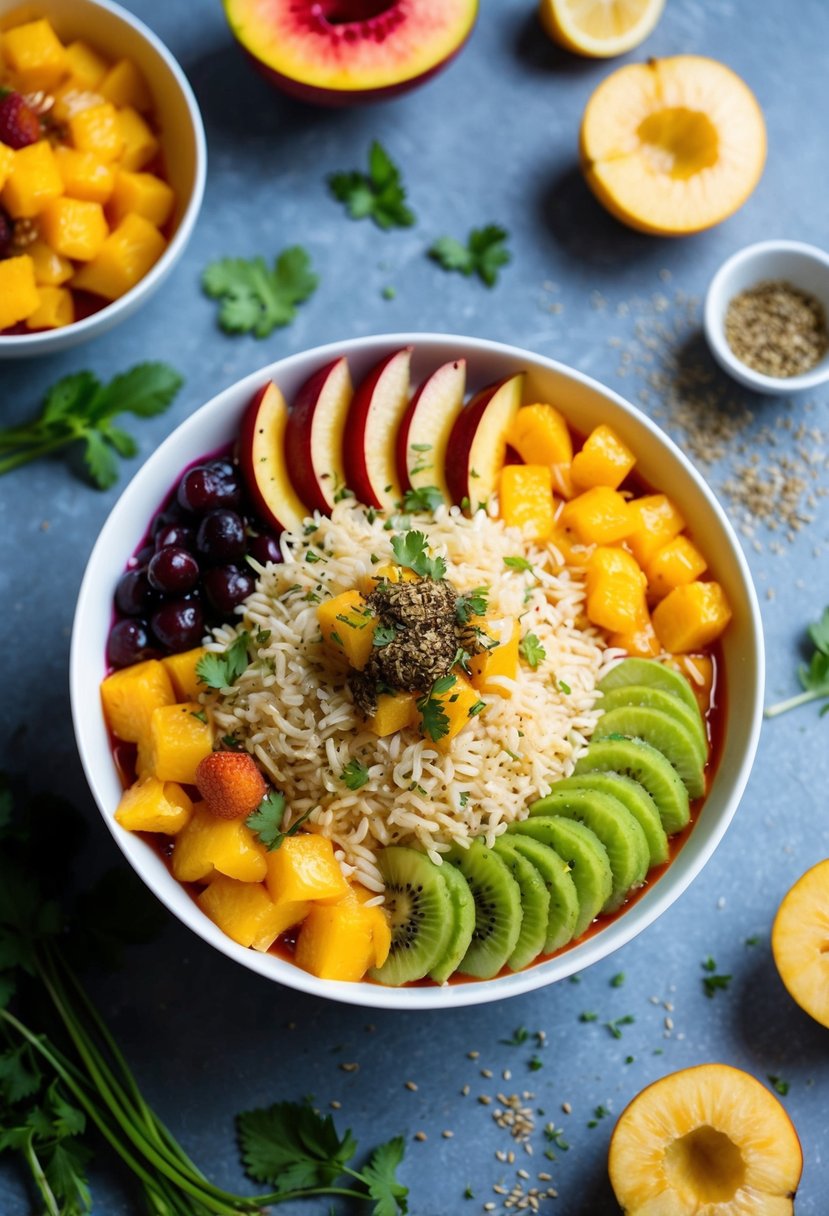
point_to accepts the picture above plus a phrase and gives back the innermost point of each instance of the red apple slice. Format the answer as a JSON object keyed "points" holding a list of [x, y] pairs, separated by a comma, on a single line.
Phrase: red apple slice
{"points": [[478, 443], [371, 430], [262, 459], [423, 435], [314, 435]]}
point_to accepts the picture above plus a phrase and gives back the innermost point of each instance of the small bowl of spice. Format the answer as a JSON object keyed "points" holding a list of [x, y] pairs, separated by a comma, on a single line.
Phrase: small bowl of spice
{"points": [[766, 317]]}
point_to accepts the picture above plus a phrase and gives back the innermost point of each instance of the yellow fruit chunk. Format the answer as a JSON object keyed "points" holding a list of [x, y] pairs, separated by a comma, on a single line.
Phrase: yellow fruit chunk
{"points": [[616, 591], [246, 913], [573, 550], [675, 564], [126, 255], [540, 435], [394, 712], [525, 497], [304, 867], [131, 696], [656, 521], [139, 143], [599, 516], [698, 670], [347, 624], [56, 309], [691, 617], [84, 65], [74, 228], [124, 85], [178, 741], [673, 146], [491, 667], [800, 942], [35, 55], [388, 573], [154, 806], [706, 1140], [143, 193], [455, 702], [51, 270], [181, 668], [563, 481], [227, 845], [640, 641], [33, 182], [6, 162], [84, 175], [337, 941], [604, 460], [73, 98], [97, 129], [599, 28], [19, 295]]}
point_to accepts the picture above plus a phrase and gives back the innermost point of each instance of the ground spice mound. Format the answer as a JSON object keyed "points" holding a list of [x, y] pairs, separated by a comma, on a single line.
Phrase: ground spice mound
{"points": [[777, 329]]}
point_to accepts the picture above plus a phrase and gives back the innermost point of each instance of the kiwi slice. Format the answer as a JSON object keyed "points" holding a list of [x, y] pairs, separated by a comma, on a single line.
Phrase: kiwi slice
{"points": [[643, 763], [664, 733], [498, 911], [535, 904], [585, 855], [420, 911], [462, 927], [564, 900], [651, 672], [637, 800], [621, 835], [656, 698]]}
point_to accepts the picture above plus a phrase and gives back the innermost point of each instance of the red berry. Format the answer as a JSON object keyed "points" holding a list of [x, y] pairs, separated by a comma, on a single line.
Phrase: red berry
{"points": [[19, 125], [230, 784]]}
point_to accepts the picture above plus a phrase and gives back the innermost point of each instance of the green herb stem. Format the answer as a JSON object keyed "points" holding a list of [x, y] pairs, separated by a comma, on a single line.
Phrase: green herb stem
{"points": [[802, 698], [32, 453], [39, 1178]]}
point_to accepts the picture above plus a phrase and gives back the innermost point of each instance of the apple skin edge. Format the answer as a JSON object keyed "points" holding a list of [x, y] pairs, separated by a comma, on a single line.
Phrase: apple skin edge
{"points": [[299, 436], [403, 431], [463, 437], [354, 444], [273, 495]]}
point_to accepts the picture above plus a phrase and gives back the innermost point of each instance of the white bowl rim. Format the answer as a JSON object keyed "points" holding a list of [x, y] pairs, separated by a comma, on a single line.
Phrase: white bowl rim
{"points": [[714, 313], [108, 315], [619, 931]]}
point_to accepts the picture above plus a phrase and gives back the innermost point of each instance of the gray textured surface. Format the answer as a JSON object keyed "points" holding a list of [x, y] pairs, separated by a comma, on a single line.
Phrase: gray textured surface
{"points": [[493, 139]]}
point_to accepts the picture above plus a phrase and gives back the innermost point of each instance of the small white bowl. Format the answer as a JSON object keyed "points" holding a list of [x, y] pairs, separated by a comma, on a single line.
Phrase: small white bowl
{"points": [[804, 266], [116, 33]]}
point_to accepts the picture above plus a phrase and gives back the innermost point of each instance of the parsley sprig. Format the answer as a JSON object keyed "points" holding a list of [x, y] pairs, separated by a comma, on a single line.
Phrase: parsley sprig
{"points": [[814, 678], [79, 409], [378, 195], [256, 299], [712, 983], [531, 650], [222, 670], [426, 499], [472, 603], [434, 719], [355, 774], [483, 254], [266, 821], [412, 551]]}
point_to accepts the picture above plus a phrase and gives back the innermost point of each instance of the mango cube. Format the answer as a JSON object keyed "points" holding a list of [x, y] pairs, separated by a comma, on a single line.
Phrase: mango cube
{"points": [[526, 501], [141, 193], [573, 550], [691, 617], [386, 572], [126, 255], [84, 175], [615, 590], [6, 162], [33, 182], [675, 564], [640, 642], [599, 516], [347, 624], [656, 520], [246, 913], [304, 867], [19, 295], [456, 703], [181, 669], [154, 806], [51, 270], [35, 55], [540, 435], [56, 309], [97, 129], [84, 65], [604, 460], [124, 85], [394, 712], [131, 696], [491, 666], [138, 144], [74, 228], [73, 98], [698, 670], [337, 941], [227, 845], [178, 741]]}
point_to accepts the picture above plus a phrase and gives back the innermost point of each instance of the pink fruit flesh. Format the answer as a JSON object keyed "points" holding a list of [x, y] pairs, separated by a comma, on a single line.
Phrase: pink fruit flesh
{"points": [[262, 460], [477, 446], [423, 435], [314, 435], [371, 432]]}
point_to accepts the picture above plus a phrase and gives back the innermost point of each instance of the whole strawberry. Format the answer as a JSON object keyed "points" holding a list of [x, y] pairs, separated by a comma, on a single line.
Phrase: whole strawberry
{"points": [[230, 784], [19, 125]]}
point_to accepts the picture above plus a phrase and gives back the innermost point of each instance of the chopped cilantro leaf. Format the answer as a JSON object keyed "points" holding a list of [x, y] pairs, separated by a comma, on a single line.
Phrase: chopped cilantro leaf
{"points": [[266, 821], [411, 551], [781, 1086], [355, 774], [518, 563], [256, 299], [378, 195], [618, 980], [531, 650], [383, 634], [588, 1016], [434, 719], [222, 670], [534, 1063], [483, 254], [426, 499], [712, 983], [519, 1036], [472, 603]]}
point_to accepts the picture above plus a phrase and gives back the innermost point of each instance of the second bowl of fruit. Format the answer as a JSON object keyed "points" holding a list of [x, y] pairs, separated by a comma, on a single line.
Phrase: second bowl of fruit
{"points": [[415, 686]]}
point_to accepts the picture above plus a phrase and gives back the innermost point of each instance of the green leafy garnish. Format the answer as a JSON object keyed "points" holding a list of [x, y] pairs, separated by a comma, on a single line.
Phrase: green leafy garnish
{"points": [[473, 603], [475, 709], [615, 1026], [814, 678], [79, 409], [355, 774], [565, 688], [601, 1112], [588, 1016], [777, 1083], [411, 551], [617, 980], [266, 821], [435, 720], [483, 254], [712, 983], [255, 299], [425, 498], [378, 195], [519, 563], [383, 634], [519, 1036], [222, 670], [555, 1135], [535, 1063], [531, 650]]}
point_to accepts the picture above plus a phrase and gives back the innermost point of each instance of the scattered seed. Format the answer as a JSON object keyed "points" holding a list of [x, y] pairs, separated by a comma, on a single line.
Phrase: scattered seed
{"points": [[335, 1105], [420, 1136], [350, 1067], [412, 1086], [447, 1135]]}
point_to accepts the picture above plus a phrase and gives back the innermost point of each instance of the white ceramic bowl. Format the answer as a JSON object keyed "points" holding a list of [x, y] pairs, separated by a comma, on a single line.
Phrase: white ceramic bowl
{"points": [[804, 266], [586, 403], [117, 34]]}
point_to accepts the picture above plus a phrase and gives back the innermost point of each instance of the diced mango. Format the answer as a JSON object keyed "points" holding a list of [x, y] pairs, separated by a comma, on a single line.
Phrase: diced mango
{"points": [[85, 65], [615, 591], [124, 85], [573, 550], [84, 175], [604, 460], [98, 129], [698, 669], [19, 295], [73, 98], [126, 255], [387, 572], [526, 501], [641, 642], [563, 481], [181, 668], [304, 867], [56, 309], [141, 193], [337, 941], [246, 913], [456, 703], [74, 228], [395, 711], [540, 435], [139, 145], [675, 564], [154, 806], [691, 617], [656, 521], [491, 666], [347, 624], [35, 55], [51, 270], [33, 182], [227, 845], [599, 516], [178, 741], [131, 696], [6, 162]]}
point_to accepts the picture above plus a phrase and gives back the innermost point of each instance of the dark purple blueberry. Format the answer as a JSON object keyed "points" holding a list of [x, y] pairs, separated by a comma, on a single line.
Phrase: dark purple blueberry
{"points": [[178, 625], [129, 642], [226, 587], [177, 534], [265, 548], [205, 488], [133, 594], [221, 537], [173, 571], [142, 556]]}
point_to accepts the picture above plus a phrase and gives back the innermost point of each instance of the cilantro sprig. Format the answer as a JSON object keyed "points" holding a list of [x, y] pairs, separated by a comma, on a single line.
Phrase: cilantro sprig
{"points": [[531, 650], [712, 983], [355, 774], [266, 821], [434, 718], [412, 551], [79, 409], [256, 299], [223, 669], [378, 195], [484, 253], [814, 678], [426, 499], [472, 603]]}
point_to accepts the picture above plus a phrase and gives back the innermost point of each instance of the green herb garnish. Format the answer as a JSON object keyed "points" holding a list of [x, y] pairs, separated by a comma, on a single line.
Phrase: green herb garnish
{"points": [[814, 678], [383, 634], [266, 821], [534, 1063], [615, 1026], [355, 774], [473, 603], [588, 1017], [519, 1036], [434, 719], [531, 650], [411, 551], [519, 563], [617, 980], [475, 709], [426, 499], [777, 1083], [483, 254], [555, 1135], [378, 195], [712, 983], [565, 688], [222, 670], [258, 300], [601, 1112]]}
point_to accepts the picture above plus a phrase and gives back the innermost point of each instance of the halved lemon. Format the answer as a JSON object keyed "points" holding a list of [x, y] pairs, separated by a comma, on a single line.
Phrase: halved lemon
{"points": [[599, 28]]}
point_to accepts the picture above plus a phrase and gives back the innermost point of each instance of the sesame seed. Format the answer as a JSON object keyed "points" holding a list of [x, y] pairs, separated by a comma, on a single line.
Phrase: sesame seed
{"points": [[420, 1136], [472, 1055], [566, 1107], [412, 1086], [486, 1072], [506, 1075], [335, 1105], [465, 1091], [447, 1135], [484, 1099], [350, 1067]]}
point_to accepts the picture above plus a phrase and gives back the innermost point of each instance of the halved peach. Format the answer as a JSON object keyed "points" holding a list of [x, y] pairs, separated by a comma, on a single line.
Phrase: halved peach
{"points": [[800, 942]]}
